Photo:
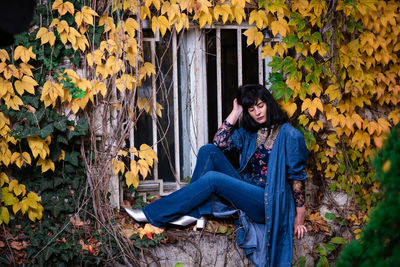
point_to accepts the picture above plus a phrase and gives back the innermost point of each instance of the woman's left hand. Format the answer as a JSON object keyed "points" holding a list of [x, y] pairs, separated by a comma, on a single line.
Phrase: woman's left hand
{"points": [[299, 227]]}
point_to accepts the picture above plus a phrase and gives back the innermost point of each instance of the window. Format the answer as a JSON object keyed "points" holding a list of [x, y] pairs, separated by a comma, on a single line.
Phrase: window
{"points": [[198, 72]]}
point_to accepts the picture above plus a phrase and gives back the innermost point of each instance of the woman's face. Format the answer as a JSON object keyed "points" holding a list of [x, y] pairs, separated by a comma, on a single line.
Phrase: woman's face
{"points": [[258, 112]]}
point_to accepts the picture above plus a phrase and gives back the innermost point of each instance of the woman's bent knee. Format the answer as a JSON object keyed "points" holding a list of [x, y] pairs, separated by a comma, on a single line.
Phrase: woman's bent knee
{"points": [[214, 179], [208, 148]]}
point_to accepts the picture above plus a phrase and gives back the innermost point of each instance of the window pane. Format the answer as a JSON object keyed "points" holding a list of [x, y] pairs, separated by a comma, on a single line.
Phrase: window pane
{"points": [[165, 124]]}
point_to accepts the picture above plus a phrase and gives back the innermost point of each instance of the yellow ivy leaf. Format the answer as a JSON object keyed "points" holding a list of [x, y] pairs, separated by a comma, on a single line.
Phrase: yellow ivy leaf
{"points": [[61, 156], [332, 140], [20, 158], [253, 36], [333, 91], [134, 167], [4, 55], [289, 107], [357, 120], [148, 69], [23, 206], [386, 166], [6, 156], [46, 164], [26, 69], [259, 17], [394, 115], [13, 101], [267, 51], [7, 70], [50, 93], [159, 109], [3, 179], [96, 57], [312, 106], [148, 154], [222, 10], [4, 215], [131, 27], [19, 189], [108, 23], [78, 18], [88, 14], [132, 5], [73, 35], [46, 36], [148, 230], [109, 45], [99, 87], [62, 7], [8, 198], [63, 26], [34, 214], [182, 21], [26, 84], [145, 12], [378, 141], [238, 14], [133, 151], [205, 17], [5, 87], [361, 139], [143, 168], [81, 43], [316, 126], [131, 179], [24, 53], [280, 26], [384, 125], [163, 24], [126, 81], [118, 166], [33, 200]]}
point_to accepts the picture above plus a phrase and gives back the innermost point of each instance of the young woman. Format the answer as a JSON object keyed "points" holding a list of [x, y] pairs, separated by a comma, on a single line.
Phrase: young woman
{"points": [[267, 189]]}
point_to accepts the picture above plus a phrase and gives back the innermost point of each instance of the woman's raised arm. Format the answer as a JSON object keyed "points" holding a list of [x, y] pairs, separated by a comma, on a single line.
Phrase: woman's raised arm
{"points": [[221, 138], [235, 113]]}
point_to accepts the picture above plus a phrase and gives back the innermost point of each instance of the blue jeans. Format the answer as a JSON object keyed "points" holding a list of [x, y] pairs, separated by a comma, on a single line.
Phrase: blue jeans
{"points": [[213, 177]]}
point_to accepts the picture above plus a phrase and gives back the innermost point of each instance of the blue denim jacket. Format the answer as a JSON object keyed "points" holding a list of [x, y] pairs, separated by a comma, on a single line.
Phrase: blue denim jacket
{"points": [[270, 244]]}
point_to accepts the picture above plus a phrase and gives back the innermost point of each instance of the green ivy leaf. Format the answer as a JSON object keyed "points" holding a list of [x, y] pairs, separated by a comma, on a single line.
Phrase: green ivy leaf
{"points": [[291, 40], [81, 126], [309, 63], [60, 125], [46, 131], [276, 64], [323, 262], [322, 251], [275, 77], [338, 240], [280, 90], [330, 216], [329, 247], [62, 139], [301, 262], [72, 158]]}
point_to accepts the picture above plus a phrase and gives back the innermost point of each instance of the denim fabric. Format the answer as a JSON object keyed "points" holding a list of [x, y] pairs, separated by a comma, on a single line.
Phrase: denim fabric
{"points": [[214, 177], [270, 244]]}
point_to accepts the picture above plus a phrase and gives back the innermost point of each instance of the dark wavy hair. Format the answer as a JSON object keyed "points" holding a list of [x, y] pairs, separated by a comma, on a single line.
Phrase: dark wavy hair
{"points": [[248, 95]]}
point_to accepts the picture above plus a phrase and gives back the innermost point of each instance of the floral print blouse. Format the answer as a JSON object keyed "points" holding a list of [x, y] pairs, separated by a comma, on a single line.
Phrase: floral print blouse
{"points": [[258, 163]]}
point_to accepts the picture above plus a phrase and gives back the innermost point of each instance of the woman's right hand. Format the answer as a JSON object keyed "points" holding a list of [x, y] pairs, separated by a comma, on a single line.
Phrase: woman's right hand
{"points": [[235, 113], [236, 107]]}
